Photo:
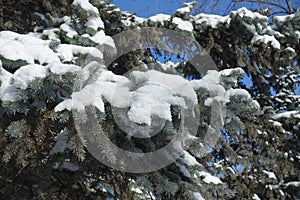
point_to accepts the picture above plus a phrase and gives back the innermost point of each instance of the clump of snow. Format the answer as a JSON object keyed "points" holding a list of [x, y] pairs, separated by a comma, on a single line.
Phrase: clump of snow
{"points": [[198, 196], [229, 72], [131, 19], [266, 39], [184, 10], [68, 51], [169, 65], [26, 47], [290, 49], [100, 38], [293, 183], [255, 197], [211, 20], [51, 33], [211, 82], [95, 23], [93, 94], [271, 175], [188, 7], [287, 114], [7, 91], [244, 12], [208, 178], [59, 68], [284, 18], [69, 30], [86, 5], [275, 123], [182, 24], [231, 170], [189, 159], [168, 89], [24, 75], [145, 104], [160, 18], [175, 83], [243, 94]]}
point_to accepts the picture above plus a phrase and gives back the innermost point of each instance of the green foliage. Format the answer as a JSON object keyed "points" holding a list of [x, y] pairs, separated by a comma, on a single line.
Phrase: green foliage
{"points": [[251, 144]]}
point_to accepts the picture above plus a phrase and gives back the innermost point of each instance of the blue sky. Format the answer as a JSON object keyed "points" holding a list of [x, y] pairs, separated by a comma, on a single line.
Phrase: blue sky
{"points": [[146, 8]]}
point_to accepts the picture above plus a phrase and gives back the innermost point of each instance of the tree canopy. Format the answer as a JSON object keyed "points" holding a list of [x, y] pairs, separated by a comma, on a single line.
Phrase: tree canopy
{"points": [[67, 88]]}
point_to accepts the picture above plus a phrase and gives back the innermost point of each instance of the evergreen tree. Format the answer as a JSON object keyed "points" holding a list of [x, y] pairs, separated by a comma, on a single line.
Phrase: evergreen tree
{"points": [[247, 141]]}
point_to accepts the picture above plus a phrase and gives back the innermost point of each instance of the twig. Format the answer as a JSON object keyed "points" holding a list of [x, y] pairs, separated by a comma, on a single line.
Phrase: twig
{"points": [[264, 2]]}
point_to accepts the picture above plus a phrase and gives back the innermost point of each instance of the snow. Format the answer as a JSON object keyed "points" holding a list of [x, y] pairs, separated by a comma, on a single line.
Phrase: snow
{"points": [[160, 18], [175, 83], [183, 25], [255, 197], [281, 192], [275, 123], [231, 170], [208, 178], [110, 76], [211, 20], [244, 12], [95, 23], [59, 68], [211, 83], [145, 104], [266, 39], [69, 51], [86, 5], [26, 47], [70, 31], [198, 196], [293, 183], [66, 104], [7, 92], [93, 93], [132, 19], [290, 49], [24, 75], [168, 89], [229, 72], [81, 99], [113, 8], [189, 159], [212, 77], [284, 18], [184, 10], [51, 33], [188, 7], [100, 38], [271, 175], [243, 94], [287, 114], [218, 166]]}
